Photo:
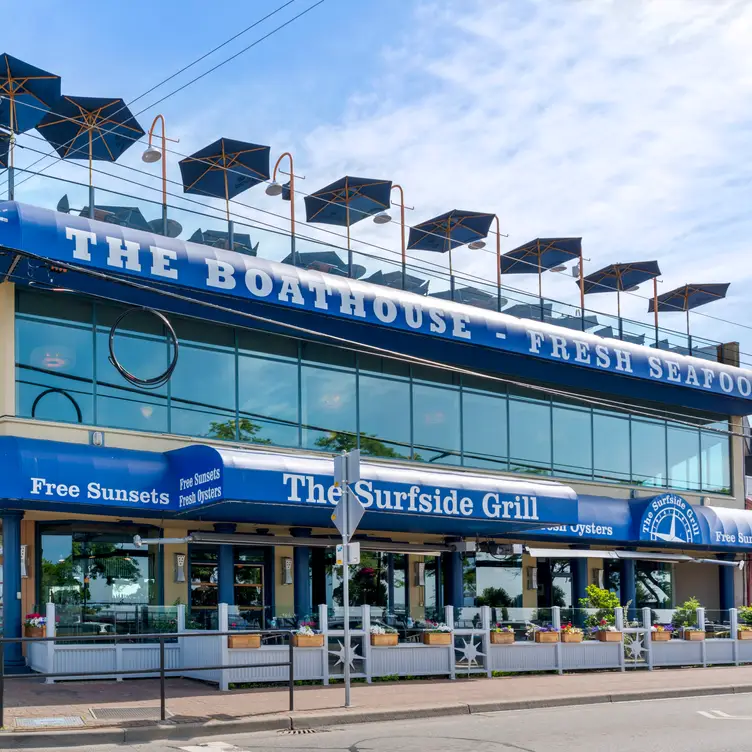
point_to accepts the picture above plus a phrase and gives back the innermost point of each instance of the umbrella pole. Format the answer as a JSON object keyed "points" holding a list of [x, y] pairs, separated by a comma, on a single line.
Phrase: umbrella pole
{"points": [[540, 280], [689, 336], [498, 262], [91, 177], [582, 289], [618, 309], [655, 308], [11, 168]]}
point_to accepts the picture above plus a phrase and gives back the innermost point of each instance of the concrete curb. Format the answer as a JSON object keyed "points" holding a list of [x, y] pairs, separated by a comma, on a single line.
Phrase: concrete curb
{"points": [[317, 719]]}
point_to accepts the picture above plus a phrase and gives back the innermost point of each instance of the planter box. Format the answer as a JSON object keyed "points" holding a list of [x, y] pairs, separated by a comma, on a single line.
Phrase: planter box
{"points": [[308, 641], [505, 638], [694, 635], [384, 640], [660, 636], [35, 631], [571, 637], [547, 636], [744, 635], [438, 638], [244, 641], [609, 636]]}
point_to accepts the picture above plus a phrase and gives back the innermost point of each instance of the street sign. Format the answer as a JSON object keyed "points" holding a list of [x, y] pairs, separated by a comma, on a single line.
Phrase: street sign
{"points": [[346, 520], [347, 553], [347, 468]]}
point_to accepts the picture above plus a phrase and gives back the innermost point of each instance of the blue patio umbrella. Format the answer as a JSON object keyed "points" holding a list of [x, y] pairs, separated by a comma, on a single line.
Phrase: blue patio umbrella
{"points": [[241, 242], [346, 201], [27, 93], [324, 261], [448, 231], [541, 254], [408, 282], [620, 277], [687, 297]]}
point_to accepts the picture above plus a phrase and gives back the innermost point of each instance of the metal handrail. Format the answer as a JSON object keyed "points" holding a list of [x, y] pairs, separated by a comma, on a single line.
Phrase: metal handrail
{"points": [[161, 638]]}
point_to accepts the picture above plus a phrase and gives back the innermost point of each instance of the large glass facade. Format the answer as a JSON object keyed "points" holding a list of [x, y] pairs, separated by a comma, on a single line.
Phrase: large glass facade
{"points": [[260, 388]]}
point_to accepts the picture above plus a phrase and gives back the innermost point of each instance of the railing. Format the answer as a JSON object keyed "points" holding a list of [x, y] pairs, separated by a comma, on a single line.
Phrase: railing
{"points": [[162, 668], [267, 236]]}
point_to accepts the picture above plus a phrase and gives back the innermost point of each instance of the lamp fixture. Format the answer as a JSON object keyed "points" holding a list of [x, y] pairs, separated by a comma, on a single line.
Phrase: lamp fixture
{"points": [[151, 155], [274, 189], [560, 268], [382, 218], [476, 245]]}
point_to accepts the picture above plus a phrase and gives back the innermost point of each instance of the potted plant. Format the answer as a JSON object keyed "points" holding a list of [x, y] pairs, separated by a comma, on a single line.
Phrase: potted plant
{"points": [[570, 633], [685, 618], [384, 637], [437, 634], [744, 632], [661, 632], [306, 637], [502, 635], [546, 633], [35, 625], [606, 632]]}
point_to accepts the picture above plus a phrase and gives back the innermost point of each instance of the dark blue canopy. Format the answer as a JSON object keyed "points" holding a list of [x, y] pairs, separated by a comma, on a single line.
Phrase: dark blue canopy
{"points": [[348, 200], [225, 168], [687, 297], [471, 296], [4, 144], [620, 276], [324, 261], [450, 230], [90, 126], [394, 279], [126, 216], [218, 239], [540, 254], [26, 94]]}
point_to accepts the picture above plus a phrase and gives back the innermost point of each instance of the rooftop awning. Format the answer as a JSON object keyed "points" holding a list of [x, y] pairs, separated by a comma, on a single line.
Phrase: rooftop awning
{"points": [[589, 553]]}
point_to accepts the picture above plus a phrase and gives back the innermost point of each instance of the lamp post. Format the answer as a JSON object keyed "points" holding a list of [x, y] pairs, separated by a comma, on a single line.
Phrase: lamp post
{"points": [[275, 189], [478, 244], [152, 154], [383, 217]]}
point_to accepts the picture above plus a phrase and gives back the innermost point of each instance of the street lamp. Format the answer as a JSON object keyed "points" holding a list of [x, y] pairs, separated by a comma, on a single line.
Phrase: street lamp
{"points": [[478, 245], [152, 154], [384, 218], [275, 189]]}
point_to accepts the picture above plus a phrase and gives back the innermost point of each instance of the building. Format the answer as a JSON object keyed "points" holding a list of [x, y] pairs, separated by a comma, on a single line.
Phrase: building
{"points": [[605, 461]]}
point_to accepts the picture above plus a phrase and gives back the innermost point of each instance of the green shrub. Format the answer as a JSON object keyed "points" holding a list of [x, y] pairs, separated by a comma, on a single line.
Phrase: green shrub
{"points": [[604, 601], [686, 614]]}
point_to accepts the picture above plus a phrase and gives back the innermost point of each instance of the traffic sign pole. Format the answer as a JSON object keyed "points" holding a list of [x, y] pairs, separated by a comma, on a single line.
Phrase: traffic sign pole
{"points": [[346, 593]]}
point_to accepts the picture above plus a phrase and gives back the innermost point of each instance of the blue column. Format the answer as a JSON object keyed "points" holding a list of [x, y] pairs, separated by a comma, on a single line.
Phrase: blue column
{"points": [[225, 565], [628, 586], [12, 616], [301, 574], [453, 587], [726, 582], [390, 583]]}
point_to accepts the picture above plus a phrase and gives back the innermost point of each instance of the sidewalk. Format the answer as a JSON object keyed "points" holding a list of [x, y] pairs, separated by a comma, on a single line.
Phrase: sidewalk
{"points": [[197, 709]]}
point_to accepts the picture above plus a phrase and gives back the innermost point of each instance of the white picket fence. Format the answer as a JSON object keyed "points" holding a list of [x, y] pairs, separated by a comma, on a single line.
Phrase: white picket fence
{"points": [[470, 652]]}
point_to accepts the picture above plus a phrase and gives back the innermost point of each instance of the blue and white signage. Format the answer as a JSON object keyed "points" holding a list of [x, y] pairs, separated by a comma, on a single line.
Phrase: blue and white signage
{"points": [[670, 519], [104, 247]]}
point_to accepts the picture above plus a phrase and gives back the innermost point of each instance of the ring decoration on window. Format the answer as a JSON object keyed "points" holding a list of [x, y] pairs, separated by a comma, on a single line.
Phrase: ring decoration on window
{"points": [[157, 381], [56, 390]]}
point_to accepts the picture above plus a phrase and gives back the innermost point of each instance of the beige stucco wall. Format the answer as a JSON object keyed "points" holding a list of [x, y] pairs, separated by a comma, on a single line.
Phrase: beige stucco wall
{"points": [[284, 595], [698, 580], [7, 349]]}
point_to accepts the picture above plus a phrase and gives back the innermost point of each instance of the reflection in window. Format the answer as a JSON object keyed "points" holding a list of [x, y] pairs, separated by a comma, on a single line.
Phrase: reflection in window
{"points": [[530, 435], [611, 449], [436, 424], [715, 460], [384, 406], [683, 457], [654, 584], [484, 429], [328, 409], [649, 452], [572, 442], [498, 581]]}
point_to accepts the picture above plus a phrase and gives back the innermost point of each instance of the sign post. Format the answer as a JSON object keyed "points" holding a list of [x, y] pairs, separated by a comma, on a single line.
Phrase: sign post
{"points": [[346, 516]]}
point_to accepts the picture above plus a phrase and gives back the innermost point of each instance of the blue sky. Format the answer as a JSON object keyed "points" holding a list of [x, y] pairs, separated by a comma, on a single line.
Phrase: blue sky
{"points": [[624, 122]]}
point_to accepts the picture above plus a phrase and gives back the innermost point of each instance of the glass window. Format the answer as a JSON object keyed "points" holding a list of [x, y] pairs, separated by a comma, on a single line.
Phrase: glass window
{"points": [[683, 446], [653, 584], [715, 460], [384, 416], [530, 435], [649, 452], [328, 408], [572, 441], [498, 581], [484, 429], [436, 424], [611, 450]]}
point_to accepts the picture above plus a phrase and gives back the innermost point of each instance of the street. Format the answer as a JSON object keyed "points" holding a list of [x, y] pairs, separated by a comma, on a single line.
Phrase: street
{"points": [[711, 724]]}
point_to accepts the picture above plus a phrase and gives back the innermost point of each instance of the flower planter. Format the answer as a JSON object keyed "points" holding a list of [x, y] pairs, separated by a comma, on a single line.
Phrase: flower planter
{"points": [[571, 637], [505, 638], [547, 636], [35, 631], [660, 636], [693, 635], [437, 638], [308, 641], [744, 634], [384, 640], [608, 636], [244, 641]]}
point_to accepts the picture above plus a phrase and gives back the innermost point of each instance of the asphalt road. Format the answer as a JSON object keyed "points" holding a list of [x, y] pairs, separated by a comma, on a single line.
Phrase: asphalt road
{"points": [[711, 724]]}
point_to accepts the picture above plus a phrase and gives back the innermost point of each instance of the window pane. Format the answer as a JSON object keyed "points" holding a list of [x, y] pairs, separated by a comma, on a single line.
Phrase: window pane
{"points": [[611, 451], [498, 581], [484, 430], [683, 458], [715, 460], [54, 370], [573, 443], [268, 401], [328, 409], [649, 453], [654, 584], [529, 435], [436, 424], [384, 416]]}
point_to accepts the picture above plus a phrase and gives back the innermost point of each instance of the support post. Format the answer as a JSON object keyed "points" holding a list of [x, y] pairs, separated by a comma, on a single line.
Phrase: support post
{"points": [[223, 622], [726, 582], [647, 623], [578, 568], [225, 565], [453, 586], [734, 633], [324, 629], [628, 587], [556, 623], [701, 627], [301, 576], [485, 618], [50, 630], [449, 618], [12, 616]]}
